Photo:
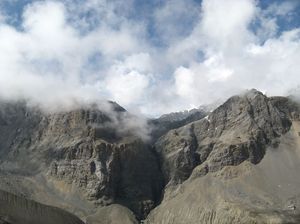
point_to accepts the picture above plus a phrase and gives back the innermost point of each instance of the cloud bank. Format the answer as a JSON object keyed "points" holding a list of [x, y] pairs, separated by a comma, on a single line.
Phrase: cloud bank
{"points": [[151, 58]]}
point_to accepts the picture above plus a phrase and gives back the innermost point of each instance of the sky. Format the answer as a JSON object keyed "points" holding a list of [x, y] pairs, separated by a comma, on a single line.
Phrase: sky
{"points": [[151, 57]]}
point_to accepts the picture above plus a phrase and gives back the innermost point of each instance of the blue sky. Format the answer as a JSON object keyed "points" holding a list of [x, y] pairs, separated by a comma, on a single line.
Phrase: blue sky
{"points": [[152, 57], [145, 9]]}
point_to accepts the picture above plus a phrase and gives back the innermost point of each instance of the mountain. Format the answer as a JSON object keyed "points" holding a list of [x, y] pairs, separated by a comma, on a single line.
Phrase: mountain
{"points": [[236, 164], [78, 160], [238, 130]]}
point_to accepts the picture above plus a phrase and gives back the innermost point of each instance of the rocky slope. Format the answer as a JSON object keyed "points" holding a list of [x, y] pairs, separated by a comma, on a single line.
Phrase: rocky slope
{"points": [[18, 210], [223, 166]]}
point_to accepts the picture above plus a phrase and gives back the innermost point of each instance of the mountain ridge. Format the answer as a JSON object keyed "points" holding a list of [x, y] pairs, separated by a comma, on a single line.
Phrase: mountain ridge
{"points": [[87, 159]]}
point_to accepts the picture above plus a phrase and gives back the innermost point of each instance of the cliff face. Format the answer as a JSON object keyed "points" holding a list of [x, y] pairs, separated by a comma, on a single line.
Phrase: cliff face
{"points": [[95, 161], [88, 150]]}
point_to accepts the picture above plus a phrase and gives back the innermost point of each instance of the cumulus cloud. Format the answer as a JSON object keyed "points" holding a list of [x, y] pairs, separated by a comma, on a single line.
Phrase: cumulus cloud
{"points": [[233, 57], [126, 87], [179, 55], [47, 60], [225, 25], [39, 62]]}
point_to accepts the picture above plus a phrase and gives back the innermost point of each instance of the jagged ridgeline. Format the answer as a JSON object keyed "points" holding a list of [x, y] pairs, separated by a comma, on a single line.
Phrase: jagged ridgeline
{"points": [[236, 164]]}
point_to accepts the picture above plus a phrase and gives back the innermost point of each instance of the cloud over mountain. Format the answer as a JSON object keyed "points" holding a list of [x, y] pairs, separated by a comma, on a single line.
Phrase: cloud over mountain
{"points": [[150, 57]]}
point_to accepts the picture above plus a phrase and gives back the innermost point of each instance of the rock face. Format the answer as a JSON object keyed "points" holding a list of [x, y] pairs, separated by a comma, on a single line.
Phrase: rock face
{"points": [[263, 193], [240, 164], [238, 130], [127, 174], [83, 149], [18, 210], [224, 166]]}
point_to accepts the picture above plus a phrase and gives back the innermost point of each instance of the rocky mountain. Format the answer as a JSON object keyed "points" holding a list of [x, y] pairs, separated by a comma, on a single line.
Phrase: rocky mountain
{"points": [[238, 130], [240, 164], [236, 164], [77, 160]]}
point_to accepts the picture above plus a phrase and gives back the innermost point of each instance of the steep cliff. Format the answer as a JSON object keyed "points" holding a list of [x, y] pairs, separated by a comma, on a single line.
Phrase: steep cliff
{"points": [[89, 156]]}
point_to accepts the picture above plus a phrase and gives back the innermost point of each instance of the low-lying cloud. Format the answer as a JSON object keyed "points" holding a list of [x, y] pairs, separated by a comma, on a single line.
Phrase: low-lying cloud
{"points": [[179, 55]]}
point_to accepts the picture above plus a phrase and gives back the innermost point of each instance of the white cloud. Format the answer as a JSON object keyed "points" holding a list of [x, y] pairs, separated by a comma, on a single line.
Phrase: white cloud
{"points": [[233, 58], [58, 56], [127, 88], [45, 62], [141, 62], [184, 80], [225, 24], [223, 27], [127, 81], [41, 59]]}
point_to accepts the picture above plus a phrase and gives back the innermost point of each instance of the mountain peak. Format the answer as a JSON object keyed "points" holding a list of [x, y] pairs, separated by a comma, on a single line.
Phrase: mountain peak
{"points": [[238, 130]]}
